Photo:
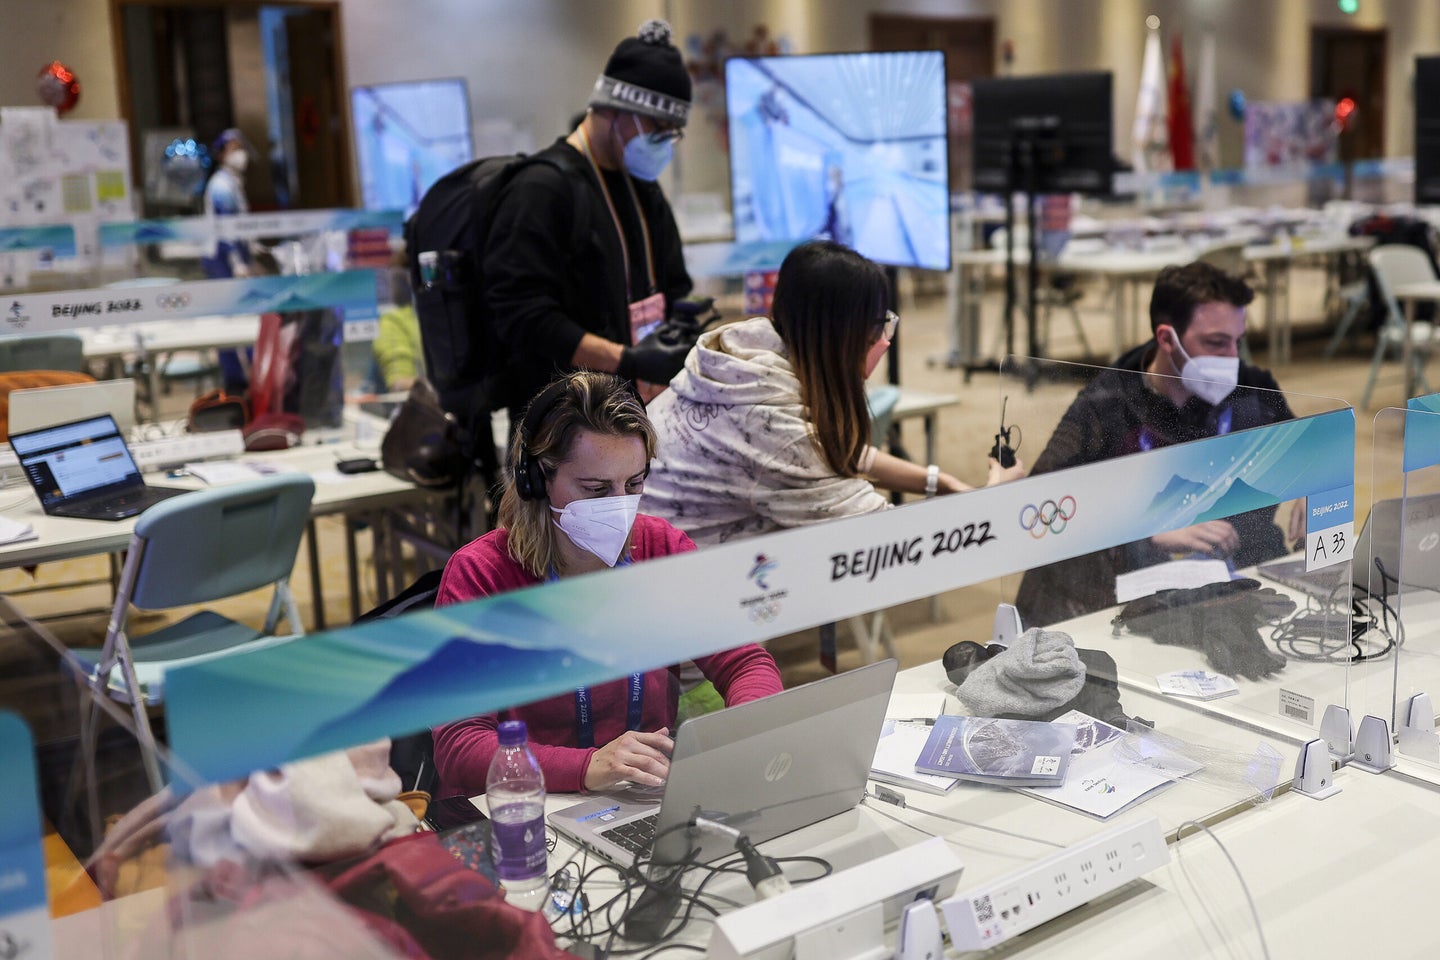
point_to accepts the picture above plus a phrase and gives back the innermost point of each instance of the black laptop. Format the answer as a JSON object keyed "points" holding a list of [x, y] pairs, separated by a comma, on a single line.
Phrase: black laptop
{"points": [[84, 469]]}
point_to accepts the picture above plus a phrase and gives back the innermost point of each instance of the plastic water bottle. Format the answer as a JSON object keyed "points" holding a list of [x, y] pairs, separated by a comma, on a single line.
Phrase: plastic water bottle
{"points": [[515, 794]]}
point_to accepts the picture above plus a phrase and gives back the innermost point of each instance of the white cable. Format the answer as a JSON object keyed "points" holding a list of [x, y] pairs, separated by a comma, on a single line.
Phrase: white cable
{"points": [[963, 823], [1254, 911]]}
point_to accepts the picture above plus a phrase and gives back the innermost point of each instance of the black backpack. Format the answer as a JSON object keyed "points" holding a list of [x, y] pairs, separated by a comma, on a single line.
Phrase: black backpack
{"points": [[445, 243]]}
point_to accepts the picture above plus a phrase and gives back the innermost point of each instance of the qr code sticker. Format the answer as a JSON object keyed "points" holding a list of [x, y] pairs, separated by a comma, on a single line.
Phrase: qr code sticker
{"points": [[984, 912], [1045, 767]]}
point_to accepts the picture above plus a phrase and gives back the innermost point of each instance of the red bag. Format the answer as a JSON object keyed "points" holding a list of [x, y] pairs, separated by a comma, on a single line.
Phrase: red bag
{"points": [[450, 910]]}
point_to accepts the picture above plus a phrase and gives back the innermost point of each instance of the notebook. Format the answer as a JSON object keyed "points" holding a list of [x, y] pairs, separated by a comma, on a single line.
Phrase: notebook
{"points": [[39, 407], [765, 768], [84, 469]]}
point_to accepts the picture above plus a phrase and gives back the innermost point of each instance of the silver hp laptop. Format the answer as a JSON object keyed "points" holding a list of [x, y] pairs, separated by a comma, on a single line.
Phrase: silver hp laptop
{"points": [[1412, 553], [1408, 554], [765, 768], [83, 469], [46, 406]]}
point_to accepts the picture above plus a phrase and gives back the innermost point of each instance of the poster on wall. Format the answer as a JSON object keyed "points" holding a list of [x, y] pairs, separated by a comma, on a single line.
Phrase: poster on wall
{"points": [[1290, 134]]}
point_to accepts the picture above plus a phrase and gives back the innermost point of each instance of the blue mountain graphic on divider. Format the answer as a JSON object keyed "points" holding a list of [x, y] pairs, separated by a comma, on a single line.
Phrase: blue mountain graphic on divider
{"points": [[1238, 499], [446, 685], [1174, 495]]}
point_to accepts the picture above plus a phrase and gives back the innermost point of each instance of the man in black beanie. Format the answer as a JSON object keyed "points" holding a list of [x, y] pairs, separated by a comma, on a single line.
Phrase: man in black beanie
{"points": [[583, 258]]}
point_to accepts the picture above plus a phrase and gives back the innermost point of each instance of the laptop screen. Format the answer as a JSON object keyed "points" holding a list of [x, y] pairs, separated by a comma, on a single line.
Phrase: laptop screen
{"points": [[76, 460]]}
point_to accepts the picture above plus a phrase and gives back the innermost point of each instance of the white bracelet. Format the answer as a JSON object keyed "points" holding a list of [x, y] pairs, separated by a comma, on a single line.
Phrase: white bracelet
{"points": [[932, 480]]}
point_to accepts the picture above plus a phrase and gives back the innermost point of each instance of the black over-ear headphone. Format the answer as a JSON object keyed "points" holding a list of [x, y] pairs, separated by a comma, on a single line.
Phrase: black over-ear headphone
{"points": [[529, 475]]}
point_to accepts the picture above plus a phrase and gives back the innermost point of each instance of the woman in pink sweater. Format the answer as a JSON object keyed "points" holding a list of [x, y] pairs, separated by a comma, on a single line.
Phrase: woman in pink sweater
{"points": [[577, 467]]}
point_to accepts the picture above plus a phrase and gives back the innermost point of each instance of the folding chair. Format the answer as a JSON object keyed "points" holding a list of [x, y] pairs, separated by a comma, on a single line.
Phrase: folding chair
{"points": [[194, 549]]}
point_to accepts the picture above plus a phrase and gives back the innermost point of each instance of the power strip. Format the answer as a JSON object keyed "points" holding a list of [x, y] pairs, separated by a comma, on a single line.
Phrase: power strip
{"points": [[162, 452], [1059, 883]]}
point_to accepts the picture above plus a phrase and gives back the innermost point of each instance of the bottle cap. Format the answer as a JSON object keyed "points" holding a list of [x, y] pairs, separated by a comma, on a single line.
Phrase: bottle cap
{"points": [[513, 733]]}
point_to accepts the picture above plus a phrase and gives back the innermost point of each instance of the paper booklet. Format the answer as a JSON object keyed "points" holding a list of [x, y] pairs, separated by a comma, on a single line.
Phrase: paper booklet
{"points": [[900, 743], [1008, 753], [1196, 684], [1103, 779], [13, 531]]}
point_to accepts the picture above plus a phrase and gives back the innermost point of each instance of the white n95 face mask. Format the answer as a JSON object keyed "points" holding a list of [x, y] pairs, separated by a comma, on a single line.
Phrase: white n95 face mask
{"points": [[600, 525], [1212, 379]]}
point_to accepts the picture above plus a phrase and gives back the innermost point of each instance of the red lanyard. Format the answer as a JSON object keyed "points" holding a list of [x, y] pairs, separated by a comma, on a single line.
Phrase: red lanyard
{"points": [[615, 218]]}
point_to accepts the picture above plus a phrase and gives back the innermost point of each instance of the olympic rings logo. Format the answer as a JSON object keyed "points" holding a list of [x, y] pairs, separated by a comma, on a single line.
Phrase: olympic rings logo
{"points": [[173, 301], [764, 612], [1049, 517]]}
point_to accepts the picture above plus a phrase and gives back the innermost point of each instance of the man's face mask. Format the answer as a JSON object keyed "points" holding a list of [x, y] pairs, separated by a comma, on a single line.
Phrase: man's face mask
{"points": [[647, 154], [1212, 379], [600, 525]]}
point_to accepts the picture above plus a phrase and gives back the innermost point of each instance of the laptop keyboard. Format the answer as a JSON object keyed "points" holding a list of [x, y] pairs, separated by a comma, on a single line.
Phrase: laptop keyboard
{"points": [[634, 835]]}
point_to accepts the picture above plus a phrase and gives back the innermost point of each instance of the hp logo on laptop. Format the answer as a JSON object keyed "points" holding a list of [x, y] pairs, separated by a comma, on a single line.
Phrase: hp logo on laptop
{"points": [[1429, 542], [778, 766]]}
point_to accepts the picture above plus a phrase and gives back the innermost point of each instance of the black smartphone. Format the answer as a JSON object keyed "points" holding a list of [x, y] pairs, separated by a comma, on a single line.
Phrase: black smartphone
{"points": [[453, 812], [357, 465]]}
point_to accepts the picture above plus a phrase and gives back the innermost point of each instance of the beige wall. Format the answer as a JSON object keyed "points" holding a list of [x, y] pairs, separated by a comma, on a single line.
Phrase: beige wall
{"points": [[75, 32], [532, 61]]}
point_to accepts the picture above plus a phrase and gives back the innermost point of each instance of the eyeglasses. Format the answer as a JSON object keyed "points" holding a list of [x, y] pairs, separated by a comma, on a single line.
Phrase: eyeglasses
{"points": [[888, 324], [667, 134], [654, 132]]}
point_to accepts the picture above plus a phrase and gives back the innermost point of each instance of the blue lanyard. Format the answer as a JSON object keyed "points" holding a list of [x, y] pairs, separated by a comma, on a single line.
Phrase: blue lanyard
{"points": [[1222, 427], [584, 714]]}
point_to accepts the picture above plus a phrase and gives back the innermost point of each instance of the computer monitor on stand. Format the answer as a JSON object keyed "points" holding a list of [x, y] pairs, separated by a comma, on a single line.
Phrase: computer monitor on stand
{"points": [[1041, 134]]}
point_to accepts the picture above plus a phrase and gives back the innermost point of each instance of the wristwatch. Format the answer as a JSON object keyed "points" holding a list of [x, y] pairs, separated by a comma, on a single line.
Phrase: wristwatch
{"points": [[932, 480]]}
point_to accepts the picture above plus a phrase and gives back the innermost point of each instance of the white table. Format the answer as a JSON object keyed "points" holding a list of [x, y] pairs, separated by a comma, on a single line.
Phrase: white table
{"points": [[358, 497], [1412, 294], [1276, 259], [926, 406], [150, 341], [1123, 271]]}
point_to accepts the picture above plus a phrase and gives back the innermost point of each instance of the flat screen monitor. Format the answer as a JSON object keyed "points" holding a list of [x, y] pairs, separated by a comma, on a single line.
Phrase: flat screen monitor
{"points": [[407, 136], [849, 146], [1069, 116], [1427, 129]]}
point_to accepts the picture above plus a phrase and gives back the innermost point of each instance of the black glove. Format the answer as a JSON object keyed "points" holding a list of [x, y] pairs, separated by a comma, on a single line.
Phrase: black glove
{"points": [[659, 356], [1221, 619]]}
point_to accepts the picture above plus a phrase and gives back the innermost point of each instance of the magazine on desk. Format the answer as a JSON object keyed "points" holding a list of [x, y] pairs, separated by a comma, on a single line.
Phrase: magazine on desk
{"points": [[900, 743], [1104, 780], [1007, 753]]}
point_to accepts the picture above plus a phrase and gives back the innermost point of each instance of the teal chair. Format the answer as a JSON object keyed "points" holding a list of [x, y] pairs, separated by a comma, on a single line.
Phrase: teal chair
{"points": [[193, 549]]}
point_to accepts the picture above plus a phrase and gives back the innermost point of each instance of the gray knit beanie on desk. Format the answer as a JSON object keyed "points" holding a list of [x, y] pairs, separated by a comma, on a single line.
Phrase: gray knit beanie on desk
{"points": [[1039, 672]]}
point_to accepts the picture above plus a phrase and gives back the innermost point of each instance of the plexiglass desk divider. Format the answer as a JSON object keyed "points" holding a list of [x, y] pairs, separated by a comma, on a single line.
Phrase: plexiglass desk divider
{"points": [[121, 875], [1284, 641], [1405, 567]]}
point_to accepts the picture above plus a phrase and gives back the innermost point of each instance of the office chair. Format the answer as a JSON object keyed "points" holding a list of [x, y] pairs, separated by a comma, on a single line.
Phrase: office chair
{"points": [[1394, 264], [193, 549], [51, 351]]}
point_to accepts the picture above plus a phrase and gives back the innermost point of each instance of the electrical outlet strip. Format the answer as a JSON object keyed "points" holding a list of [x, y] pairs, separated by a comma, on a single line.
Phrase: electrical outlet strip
{"points": [[165, 452], [1043, 890]]}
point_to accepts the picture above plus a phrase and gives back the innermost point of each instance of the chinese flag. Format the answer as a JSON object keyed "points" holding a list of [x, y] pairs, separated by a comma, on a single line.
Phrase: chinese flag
{"points": [[1182, 128]]}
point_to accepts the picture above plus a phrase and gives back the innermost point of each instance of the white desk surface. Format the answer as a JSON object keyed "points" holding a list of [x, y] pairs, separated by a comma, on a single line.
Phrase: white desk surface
{"points": [[1336, 878], [61, 538], [918, 403], [163, 336]]}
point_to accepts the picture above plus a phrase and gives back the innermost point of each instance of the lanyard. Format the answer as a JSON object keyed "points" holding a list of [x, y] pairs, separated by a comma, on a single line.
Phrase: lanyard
{"points": [[620, 230], [1222, 427], [584, 713]]}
